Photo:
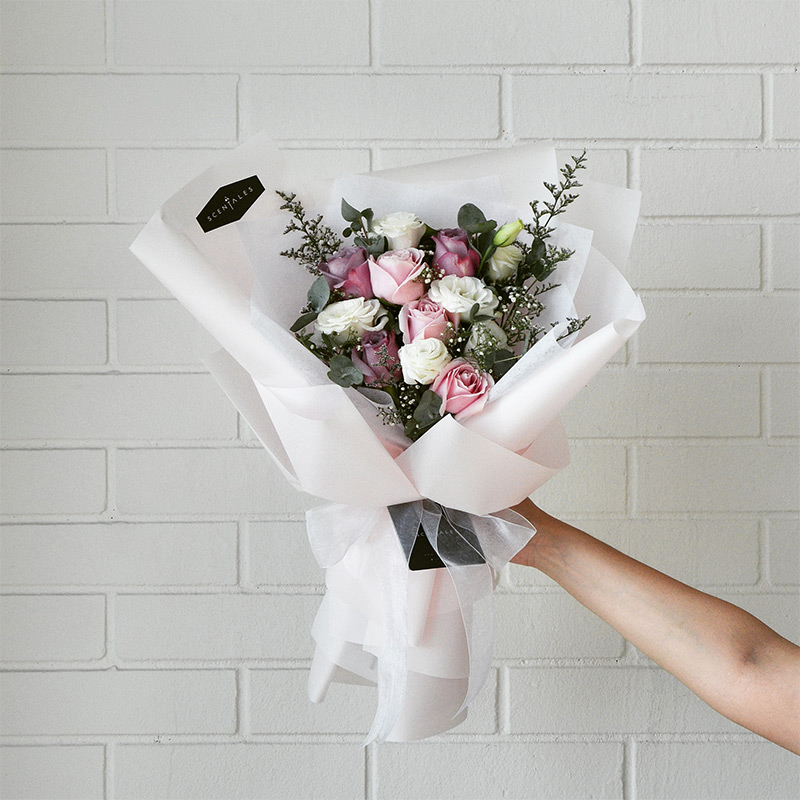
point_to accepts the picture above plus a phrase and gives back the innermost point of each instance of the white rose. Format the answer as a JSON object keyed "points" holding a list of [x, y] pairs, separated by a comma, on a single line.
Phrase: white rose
{"points": [[423, 360], [349, 318], [503, 263], [402, 228], [458, 295]]}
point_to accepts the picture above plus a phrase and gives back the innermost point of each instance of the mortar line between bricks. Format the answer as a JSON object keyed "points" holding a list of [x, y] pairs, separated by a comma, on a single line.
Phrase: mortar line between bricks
{"points": [[690, 144], [243, 572], [503, 699], [357, 738], [764, 577], [371, 778], [635, 34], [688, 69], [373, 33], [109, 31], [767, 107], [629, 769], [109, 766]]}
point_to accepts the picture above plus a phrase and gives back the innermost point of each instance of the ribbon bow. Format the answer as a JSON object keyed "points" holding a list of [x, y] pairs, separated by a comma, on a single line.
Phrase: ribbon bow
{"points": [[472, 548]]}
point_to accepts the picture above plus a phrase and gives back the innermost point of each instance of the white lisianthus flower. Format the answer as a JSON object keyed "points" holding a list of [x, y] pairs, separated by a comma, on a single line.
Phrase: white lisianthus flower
{"points": [[423, 360], [402, 228], [458, 295], [350, 318], [503, 263]]}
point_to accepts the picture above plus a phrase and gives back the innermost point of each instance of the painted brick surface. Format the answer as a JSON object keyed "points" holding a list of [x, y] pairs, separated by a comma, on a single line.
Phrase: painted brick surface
{"points": [[48, 33], [696, 257], [72, 260], [734, 478], [69, 772], [577, 32], [611, 699], [118, 108], [429, 107], [708, 328], [158, 588], [255, 33], [717, 183], [479, 772], [239, 771], [116, 407], [47, 333], [784, 538], [735, 771], [212, 626], [53, 481], [619, 402], [122, 554], [75, 181], [118, 701], [53, 627], [720, 32], [203, 481], [638, 106], [786, 256]]}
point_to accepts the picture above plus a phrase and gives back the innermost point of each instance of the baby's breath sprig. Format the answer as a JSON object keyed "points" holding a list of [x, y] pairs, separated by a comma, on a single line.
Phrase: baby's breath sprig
{"points": [[319, 241]]}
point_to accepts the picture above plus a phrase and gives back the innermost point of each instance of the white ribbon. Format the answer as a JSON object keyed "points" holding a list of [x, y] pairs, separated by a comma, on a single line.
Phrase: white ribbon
{"points": [[471, 547]]}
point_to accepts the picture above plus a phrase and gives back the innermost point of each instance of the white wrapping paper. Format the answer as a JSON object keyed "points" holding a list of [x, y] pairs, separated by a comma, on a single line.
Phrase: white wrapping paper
{"points": [[424, 637]]}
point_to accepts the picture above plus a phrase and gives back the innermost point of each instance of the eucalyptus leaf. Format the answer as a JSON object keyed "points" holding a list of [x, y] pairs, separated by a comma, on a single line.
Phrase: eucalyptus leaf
{"points": [[428, 409], [473, 312], [349, 213], [303, 320], [344, 372], [319, 294]]}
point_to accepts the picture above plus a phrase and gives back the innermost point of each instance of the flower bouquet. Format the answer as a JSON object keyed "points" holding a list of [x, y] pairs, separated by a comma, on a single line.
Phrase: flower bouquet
{"points": [[413, 379]]}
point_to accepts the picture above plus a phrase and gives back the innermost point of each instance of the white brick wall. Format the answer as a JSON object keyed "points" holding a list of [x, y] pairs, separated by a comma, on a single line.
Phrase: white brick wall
{"points": [[157, 586]]}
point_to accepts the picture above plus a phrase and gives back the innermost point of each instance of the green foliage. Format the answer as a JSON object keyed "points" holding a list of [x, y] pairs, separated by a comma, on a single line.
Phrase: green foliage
{"points": [[319, 242], [344, 372]]}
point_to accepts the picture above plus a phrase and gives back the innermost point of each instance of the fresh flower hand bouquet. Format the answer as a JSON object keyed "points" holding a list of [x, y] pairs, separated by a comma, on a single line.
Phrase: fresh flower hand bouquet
{"points": [[402, 343]]}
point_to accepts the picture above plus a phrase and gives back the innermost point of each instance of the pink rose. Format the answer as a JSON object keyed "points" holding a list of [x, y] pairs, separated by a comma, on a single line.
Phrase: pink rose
{"points": [[393, 273], [453, 255], [378, 359], [424, 319], [463, 388], [348, 271]]}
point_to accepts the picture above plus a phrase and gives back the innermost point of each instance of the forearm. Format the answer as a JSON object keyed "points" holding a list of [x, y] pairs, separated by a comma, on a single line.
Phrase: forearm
{"points": [[729, 658]]}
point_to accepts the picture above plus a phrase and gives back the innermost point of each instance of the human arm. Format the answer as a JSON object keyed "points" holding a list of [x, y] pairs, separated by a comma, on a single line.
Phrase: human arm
{"points": [[731, 660]]}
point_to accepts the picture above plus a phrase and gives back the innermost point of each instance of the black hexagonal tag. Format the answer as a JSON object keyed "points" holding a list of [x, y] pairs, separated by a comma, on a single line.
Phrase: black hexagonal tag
{"points": [[230, 203]]}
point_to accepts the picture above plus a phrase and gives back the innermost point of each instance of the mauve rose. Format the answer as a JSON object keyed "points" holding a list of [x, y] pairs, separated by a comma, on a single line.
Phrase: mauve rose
{"points": [[393, 273], [463, 388], [424, 319], [453, 254], [348, 271], [378, 360]]}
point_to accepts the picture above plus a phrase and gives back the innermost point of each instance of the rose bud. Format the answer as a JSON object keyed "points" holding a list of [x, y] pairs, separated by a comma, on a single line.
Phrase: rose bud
{"points": [[453, 255], [378, 359], [508, 233], [392, 275], [401, 228], [348, 271], [424, 319], [463, 388]]}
